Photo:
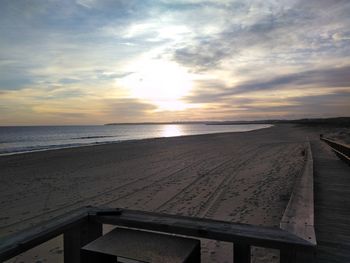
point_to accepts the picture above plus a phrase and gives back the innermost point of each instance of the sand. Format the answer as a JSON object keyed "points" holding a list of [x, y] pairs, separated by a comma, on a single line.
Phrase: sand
{"points": [[341, 135], [240, 177]]}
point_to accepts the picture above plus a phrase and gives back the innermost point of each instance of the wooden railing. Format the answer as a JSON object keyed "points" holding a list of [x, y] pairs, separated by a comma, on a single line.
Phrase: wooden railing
{"points": [[342, 150], [85, 225], [295, 238]]}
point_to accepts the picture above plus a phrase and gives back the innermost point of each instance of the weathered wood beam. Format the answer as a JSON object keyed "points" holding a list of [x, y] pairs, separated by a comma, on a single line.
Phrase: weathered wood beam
{"points": [[76, 227], [15, 244], [268, 237]]}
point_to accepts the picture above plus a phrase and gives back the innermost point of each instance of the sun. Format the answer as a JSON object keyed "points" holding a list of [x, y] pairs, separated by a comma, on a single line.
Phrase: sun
{"points": [[163, 83]]}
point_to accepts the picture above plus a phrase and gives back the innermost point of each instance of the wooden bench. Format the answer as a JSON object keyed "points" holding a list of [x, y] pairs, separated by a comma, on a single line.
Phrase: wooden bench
{"points": [[126, 245]]}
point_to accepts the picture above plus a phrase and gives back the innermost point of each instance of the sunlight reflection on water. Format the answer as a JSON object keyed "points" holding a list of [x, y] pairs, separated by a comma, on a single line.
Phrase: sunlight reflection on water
{"points": [[172, 130]]}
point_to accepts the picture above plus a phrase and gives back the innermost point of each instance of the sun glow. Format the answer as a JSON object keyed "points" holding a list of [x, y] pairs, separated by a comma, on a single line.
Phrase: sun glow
{"points": [[163, 83], [172, 130]]}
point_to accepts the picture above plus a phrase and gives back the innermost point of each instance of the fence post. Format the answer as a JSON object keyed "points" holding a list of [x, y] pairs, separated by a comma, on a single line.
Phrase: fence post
{"points": [[293, 255], [287, 255], [306, 255], [241, 253], [78, 236]]}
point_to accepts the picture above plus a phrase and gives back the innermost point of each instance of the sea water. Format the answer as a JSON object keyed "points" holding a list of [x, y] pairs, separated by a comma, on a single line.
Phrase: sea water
{"points": [[21, 139]]}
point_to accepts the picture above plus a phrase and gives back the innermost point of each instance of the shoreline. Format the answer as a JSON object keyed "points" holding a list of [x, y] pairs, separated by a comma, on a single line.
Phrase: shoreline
{"points": [[121, 141]]}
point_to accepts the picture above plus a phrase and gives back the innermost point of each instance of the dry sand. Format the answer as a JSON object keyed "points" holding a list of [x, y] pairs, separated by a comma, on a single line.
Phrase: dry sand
{"points": [[240, 177], [341, 135]]}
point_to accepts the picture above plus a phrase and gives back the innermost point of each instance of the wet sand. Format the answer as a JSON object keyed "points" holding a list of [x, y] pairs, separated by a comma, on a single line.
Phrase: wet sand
{"points": [[240, 177]]}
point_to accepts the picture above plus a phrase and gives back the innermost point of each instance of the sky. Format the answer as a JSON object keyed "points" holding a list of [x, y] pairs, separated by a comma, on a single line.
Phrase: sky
{"points": [[96, 62]]}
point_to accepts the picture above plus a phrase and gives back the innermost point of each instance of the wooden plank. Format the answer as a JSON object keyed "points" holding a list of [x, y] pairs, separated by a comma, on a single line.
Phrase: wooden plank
{"points": [[205, 228], [13, 245], [298, 217], [145, 246], [332, 206]]}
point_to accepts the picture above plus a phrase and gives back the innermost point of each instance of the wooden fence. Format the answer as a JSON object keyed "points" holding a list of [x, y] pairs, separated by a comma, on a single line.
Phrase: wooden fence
{"points": [[342, 150], [85, 225]]}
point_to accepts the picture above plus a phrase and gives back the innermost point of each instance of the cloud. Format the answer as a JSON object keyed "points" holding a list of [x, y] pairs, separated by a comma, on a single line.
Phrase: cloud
{"points": [[273, 34], [323, 78], [317, 93], [217, 91], [236, 51], [126, 110], [329, 105], [63, 105], [325, 105], [202, 56]]}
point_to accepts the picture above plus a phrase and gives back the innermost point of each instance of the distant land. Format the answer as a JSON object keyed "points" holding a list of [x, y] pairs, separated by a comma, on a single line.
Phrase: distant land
{"points": [[338, 121], [153, 123]]}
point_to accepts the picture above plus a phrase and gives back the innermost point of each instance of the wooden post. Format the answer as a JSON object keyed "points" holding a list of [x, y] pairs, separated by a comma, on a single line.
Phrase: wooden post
{"points": [[241, 253], [300, 255], [77, 237], [288, 255], [195, 256]]}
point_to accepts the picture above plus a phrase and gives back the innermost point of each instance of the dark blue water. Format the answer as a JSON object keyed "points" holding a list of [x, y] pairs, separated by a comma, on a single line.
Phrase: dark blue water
{"points": [[36, 138]]}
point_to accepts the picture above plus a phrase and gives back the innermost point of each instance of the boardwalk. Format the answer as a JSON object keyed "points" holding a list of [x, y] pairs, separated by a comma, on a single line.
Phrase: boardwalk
{"points": [[332, 205]]}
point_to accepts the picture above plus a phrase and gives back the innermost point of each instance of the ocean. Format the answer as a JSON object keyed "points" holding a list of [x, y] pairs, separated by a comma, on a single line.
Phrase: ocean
{"points": [[22, 139]]}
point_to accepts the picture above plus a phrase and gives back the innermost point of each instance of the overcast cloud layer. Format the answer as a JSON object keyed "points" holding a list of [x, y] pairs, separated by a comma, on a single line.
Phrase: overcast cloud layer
{"points": [[85, 61]]}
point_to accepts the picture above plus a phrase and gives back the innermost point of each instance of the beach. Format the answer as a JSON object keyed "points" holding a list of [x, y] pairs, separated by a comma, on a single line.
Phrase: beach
{"points": [[244, 177]]}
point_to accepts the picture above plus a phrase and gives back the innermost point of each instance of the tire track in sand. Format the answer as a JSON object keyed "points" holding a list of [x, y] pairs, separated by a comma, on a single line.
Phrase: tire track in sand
{"points": [[202, 183], [52, 212], [93, 200]]}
